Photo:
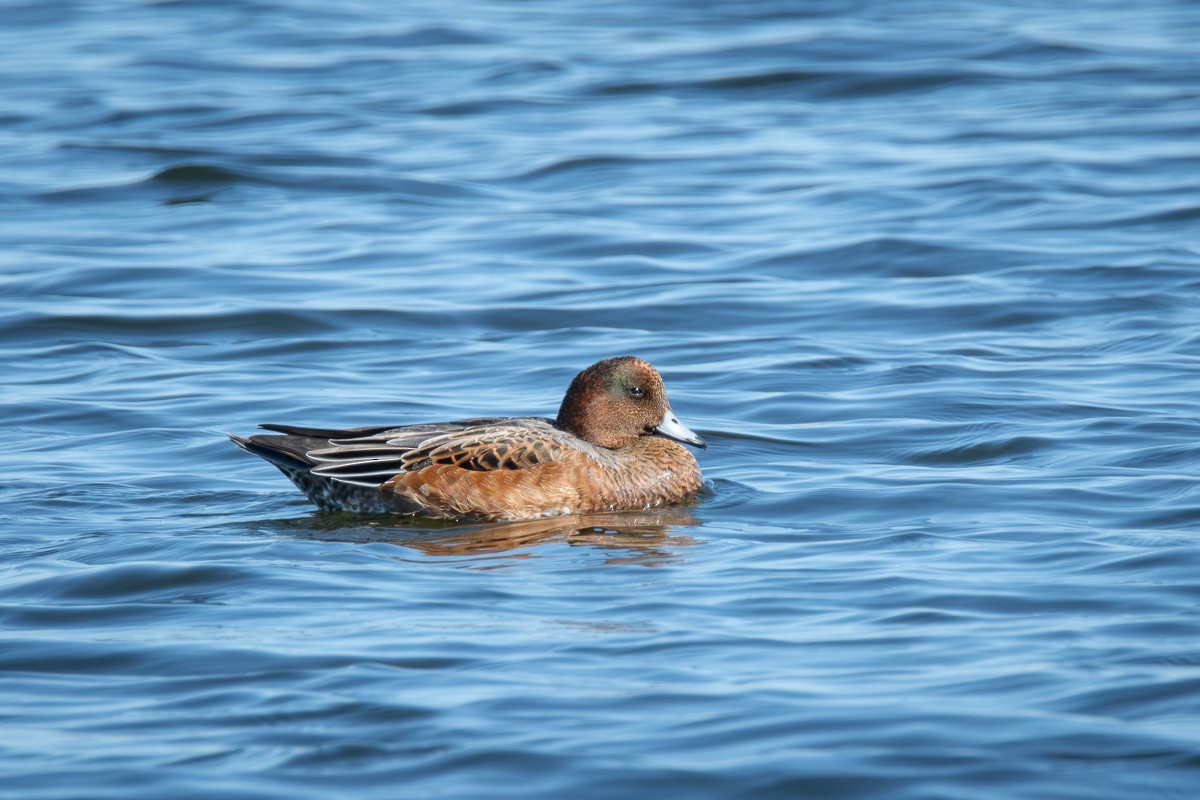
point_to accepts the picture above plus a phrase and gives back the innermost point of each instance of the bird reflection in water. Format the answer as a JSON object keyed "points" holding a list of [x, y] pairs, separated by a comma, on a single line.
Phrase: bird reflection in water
{"points": [[640, 537]]}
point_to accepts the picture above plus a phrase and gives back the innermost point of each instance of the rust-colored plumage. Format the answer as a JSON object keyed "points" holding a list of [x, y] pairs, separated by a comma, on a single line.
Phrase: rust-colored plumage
{"points": [[605, 451]]}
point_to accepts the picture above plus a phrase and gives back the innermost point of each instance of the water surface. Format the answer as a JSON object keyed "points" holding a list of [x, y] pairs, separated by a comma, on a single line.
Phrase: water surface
{"points": [[924, 274]]}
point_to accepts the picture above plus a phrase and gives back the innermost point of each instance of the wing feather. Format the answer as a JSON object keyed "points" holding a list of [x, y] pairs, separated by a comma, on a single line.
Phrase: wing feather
{"points": [[520, 445], [372, 456]]}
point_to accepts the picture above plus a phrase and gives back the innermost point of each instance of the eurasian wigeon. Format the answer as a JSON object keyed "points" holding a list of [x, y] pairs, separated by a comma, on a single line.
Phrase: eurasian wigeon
{"points": [[609, 449]]}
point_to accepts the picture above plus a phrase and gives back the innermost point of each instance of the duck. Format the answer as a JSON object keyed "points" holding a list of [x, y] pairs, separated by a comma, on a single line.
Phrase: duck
{"points": [[615, 445]]}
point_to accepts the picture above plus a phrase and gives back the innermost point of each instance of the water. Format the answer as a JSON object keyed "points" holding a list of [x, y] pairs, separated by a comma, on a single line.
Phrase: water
{"points": [[925, 275]]}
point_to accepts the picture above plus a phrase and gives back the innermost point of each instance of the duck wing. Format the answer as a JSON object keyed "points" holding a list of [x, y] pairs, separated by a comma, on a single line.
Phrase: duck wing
{"points": [[371, 456], [513, 444]]}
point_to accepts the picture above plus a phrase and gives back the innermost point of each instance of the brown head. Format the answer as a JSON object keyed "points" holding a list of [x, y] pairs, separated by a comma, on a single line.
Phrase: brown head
{"points": [[616, 400]]}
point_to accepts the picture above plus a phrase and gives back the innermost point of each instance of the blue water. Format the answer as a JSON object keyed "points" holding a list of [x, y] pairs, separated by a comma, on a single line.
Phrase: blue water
{"points": [[926, 275]]}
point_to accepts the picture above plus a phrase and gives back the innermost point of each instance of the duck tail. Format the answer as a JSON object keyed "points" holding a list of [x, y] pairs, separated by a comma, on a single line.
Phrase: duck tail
{"points": [[289, 453], [284, 452]]}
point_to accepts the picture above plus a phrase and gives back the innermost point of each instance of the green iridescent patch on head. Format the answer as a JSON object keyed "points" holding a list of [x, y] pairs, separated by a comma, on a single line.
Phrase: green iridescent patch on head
{"points": [[622, 379]]}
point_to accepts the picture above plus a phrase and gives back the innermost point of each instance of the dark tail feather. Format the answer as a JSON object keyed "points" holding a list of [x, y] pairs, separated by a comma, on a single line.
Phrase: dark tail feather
{"points": [[288, 453], [282, 451], [326, 433]]}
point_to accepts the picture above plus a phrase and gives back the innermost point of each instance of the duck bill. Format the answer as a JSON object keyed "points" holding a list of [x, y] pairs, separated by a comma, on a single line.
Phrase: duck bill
{"points": [[672, 428]]}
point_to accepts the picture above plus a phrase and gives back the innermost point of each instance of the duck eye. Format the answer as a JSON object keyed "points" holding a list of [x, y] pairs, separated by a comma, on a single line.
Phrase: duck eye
{"points": [[637, 392]]}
